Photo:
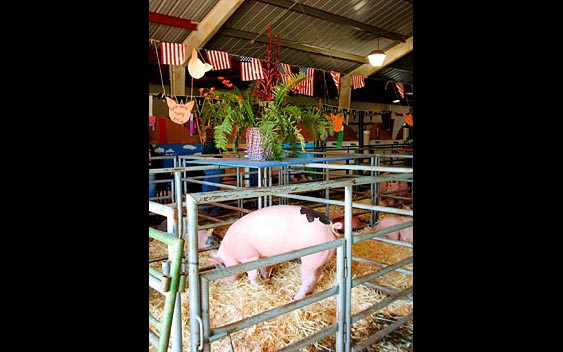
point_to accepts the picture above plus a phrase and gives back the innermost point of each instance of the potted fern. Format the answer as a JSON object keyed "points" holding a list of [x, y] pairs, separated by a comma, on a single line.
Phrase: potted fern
{"points": [[269, 123]]}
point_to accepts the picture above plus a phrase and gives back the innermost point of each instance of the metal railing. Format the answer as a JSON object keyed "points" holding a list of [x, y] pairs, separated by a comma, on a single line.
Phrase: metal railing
{"points": [[201, 335], [168, 282]]}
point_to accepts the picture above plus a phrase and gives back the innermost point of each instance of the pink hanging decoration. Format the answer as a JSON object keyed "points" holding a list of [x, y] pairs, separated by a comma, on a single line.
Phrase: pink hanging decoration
{"points": [[152, 122]]}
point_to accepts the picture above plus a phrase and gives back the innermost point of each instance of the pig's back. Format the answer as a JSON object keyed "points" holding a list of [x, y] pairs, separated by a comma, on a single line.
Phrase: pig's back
{"points": [[277, 229]]}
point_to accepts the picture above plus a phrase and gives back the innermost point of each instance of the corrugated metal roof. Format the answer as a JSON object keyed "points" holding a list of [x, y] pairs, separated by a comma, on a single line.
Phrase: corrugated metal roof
{"points": [[327, 35]]}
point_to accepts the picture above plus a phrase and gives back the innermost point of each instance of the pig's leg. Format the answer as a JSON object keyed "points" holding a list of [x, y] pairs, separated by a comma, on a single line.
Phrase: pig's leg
{"points": [[308, 280], [393, 235], [265, 272], [229, 261], [252, 274], [310, 273]]}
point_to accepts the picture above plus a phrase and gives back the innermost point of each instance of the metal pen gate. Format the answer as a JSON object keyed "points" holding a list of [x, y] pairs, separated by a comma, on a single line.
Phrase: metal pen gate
{"points": [[201, 334]]}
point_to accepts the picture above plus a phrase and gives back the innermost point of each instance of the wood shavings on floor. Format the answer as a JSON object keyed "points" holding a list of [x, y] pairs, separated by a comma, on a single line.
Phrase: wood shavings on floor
{"points": [[229, 303]]}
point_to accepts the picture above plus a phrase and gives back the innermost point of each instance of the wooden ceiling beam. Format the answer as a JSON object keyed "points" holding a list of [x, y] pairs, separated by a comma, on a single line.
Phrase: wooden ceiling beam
{"points": [[211, 23], [331, 17]]}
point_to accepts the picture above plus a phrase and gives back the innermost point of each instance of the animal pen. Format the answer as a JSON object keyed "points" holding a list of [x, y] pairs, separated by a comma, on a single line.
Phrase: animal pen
{"points": [[356, 302]]}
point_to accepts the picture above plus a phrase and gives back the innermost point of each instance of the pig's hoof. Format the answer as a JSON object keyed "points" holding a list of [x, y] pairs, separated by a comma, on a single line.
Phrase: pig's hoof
{"points": [[298, 297]]}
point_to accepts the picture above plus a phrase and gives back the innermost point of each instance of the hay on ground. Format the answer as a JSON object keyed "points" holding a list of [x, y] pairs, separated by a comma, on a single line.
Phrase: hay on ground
{"points": [[229, 303]]}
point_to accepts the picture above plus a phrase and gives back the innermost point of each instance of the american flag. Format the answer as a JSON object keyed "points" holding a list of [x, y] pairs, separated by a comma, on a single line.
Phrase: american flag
{"points": [[250, 68], [308, 84], [401, 89], [336, 78], [358, 81], [285, 70], [220, 60], [172, 53]]}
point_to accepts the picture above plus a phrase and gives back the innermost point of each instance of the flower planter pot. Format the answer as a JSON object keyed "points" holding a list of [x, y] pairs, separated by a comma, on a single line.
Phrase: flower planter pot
{"points": [[254, 148]]}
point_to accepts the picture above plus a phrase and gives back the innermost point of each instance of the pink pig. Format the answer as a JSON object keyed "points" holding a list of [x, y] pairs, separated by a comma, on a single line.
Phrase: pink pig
{"points": [[402, 234], [274, 230], [392, 186]]}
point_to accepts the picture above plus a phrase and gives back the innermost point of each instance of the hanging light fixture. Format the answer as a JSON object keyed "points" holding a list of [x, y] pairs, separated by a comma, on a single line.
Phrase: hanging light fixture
{"points": [[376, 57]]}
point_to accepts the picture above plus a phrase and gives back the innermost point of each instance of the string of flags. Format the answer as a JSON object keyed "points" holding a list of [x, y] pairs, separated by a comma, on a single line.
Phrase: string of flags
{"points": [[358, 81], [307, 88], [251, 68], [336, 78], [173, 53]]}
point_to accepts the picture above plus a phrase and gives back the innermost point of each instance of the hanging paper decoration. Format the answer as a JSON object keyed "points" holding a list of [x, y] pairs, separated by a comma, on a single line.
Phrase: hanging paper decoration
{"points": [[199, 102], [196, 67], [340, 139], [334, 109], [179, 113], [354, 115], [370, 115], [152, 122], [408, 119], [337, 120], [191, 124]]}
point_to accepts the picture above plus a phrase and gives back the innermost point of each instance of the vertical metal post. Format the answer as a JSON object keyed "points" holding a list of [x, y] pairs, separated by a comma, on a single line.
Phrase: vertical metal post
{"points": [[193, 272], [374, 187], [240, 202], [178, 194], [326, 177], [361, 130], [269, 183], [259, 185], [167, 321], [344, 270], [205, 313], [176, 330]]}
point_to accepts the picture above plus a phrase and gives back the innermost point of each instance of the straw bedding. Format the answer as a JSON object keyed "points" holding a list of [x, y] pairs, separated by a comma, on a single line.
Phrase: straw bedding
{"points": [[229, 303]]}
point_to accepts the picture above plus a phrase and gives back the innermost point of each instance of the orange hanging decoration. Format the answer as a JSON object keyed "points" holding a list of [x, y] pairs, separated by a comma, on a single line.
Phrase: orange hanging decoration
{"points": [[408, 118], [337, 120]]}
